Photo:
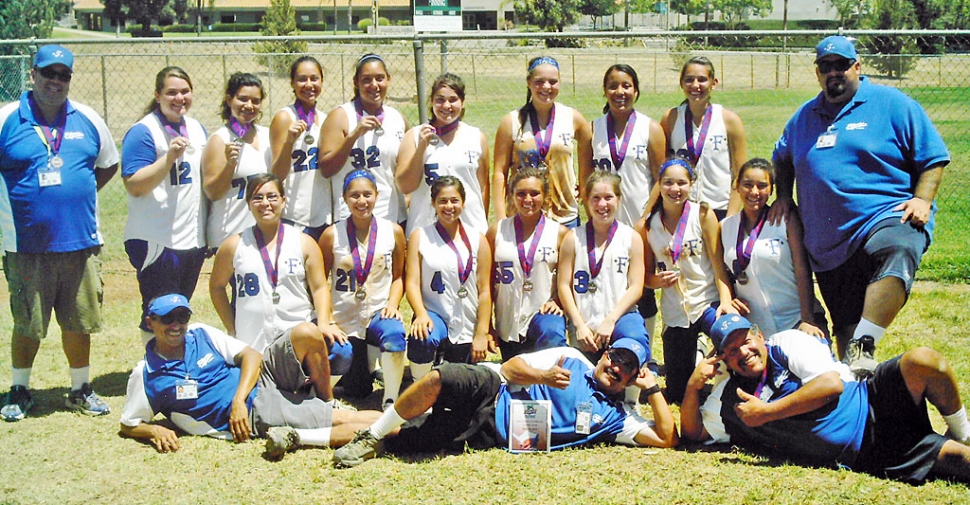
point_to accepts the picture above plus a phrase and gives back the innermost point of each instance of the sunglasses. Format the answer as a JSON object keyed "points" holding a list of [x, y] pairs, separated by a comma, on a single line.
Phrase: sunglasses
{"points": [[840, 65], [271, 198], [50, 73], [626, 368], [181, 317]]}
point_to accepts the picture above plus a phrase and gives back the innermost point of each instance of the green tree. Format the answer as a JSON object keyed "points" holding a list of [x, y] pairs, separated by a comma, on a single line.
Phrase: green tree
{"points": [[688, 7], [597, 8], [548, 15], [734, 10], [892, 55], [851, 11], [24, 19], [280, 19], [143, 12]]}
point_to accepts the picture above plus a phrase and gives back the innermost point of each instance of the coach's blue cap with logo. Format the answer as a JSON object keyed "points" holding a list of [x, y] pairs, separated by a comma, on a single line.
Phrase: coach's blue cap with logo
{"points": [[164, 304], [838, 45], [53, 54], [725, 326], [633, 346]]}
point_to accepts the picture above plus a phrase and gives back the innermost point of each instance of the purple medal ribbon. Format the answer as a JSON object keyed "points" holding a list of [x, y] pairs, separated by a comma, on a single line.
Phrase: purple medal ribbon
{"points": [[596, 266], [271, 266], [678, 242], [362, 271], [238, 128], [466, 270], [174, 129], [359, 108], [744, 254], [524, 260], [761, 384], [441, 131], [53, 135], [308, 117], [695, 152], [542, 145], [619, 156]]}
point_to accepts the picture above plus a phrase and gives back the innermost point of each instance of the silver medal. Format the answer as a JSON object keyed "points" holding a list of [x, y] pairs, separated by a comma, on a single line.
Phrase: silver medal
{"points": [[527, 286], [462, 292], [360, 294], [542, 166], [56, 162], [743, 278], [379, 130], [309, 139], [276, 297], [592, 287], [433, 140], [189, 150]]}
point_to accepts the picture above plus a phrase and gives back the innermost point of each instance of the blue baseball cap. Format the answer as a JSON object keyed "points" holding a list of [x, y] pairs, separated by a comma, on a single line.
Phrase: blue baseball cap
{"points": [[164, 304], [838, 45], [53, 54], [633, 346], [725, 326]]}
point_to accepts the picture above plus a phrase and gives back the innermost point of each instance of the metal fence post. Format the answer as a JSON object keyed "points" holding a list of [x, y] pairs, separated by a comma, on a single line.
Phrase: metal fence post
{"points": [[444, 56], [474, 76], [343, 77], [419, 77], [104, 90]]}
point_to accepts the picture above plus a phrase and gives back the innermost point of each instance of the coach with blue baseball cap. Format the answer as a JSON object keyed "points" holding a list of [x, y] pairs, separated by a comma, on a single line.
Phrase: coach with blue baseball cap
{"points": [[55, 154], [836, 45]]}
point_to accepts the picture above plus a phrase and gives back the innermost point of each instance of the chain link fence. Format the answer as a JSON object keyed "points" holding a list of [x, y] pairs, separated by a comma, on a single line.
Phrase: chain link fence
{"points": [[763, 77]]}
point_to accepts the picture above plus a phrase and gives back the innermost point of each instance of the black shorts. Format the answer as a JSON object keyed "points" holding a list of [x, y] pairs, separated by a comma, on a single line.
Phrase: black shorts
{"points": [[899, 442], [463, 414], [891, 249]]}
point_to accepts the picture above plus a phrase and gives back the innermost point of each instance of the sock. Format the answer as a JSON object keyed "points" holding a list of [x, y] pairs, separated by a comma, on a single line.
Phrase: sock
{"points": [[79, 377], [373, 358], [866, 327], [145, 337], [959, 427], [632, 395], [650, 323], [419, 370], [393, 365], [386, 424], [21, 377], [319, 437]]}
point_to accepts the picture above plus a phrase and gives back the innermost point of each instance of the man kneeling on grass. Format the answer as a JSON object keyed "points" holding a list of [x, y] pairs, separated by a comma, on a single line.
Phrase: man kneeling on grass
{"points": [[209, 383], [471, 403], [789, 394]]}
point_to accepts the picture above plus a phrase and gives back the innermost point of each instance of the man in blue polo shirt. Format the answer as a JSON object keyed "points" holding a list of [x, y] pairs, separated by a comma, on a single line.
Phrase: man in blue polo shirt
{"points": [[868, 163], [470, 404], [55, 154], [788, 394], [208, 383]]}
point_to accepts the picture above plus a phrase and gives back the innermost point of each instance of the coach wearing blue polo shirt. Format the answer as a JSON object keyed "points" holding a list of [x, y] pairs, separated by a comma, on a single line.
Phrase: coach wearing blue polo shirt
{"points": [[868, 163], [55, 154]]}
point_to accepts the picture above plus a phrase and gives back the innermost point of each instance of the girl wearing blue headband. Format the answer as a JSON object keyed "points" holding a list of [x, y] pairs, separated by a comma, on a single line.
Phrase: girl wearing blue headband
{"points": [[365, 133], [709, 136], [682, 243], [541, 135], [363, 259]]}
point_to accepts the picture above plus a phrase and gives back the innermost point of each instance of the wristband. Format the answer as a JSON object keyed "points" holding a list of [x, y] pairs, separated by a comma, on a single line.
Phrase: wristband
{"points": [[652, 390]]}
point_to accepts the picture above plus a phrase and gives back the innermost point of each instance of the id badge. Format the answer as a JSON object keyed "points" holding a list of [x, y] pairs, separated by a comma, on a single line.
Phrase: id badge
{"points": [[584, 417], [49, 176], [825, 140], [187, 389]]}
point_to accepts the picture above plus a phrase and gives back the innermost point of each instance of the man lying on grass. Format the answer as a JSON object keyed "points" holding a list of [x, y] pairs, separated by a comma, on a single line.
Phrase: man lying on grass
{"points": [[470, 404], [789, 394], [209, 383]]}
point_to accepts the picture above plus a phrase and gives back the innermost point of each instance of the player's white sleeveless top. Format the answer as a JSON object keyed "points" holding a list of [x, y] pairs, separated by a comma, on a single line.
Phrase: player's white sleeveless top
{"points": [[377, 153], [460, 159], [771, 291], [612, 280], [230, 214], [172, 214], [439, 267], [713, 183], [307, 191], [351, 315], [635, 171], [684, 302], [515, 307], [258, 320], [564, 208]]}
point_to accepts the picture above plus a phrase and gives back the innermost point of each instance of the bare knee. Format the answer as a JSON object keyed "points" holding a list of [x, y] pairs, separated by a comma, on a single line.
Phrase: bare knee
{"points": [[430, 382], [924, 362], [306, 338]]}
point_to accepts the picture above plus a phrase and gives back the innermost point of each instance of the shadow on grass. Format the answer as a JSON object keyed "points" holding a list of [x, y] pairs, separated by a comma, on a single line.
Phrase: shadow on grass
{"points": [[111, 384]]}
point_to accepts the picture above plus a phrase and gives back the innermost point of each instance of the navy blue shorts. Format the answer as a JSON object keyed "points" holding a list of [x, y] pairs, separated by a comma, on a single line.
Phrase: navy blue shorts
{"points": [[161, 271]]}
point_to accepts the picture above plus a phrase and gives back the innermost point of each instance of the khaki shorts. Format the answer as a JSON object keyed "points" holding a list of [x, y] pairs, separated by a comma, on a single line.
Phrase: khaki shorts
{"points": [[69, 283]]}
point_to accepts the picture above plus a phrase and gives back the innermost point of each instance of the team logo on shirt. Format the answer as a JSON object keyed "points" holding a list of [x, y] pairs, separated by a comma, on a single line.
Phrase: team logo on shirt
{"points": [[639, 151], [293, 263], [544, 253], [204, 360], [856, 126], [717, 141], [73, 135], [622, 263]]}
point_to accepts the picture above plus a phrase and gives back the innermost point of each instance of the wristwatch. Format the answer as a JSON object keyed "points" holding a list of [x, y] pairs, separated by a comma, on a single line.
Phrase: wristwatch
{"points": [[652, 390]]}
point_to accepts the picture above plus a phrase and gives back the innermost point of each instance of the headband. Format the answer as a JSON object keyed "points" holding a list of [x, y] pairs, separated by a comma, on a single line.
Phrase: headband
{"points": [[357, 174], [543, 60], [677, 161], [370, 56]]}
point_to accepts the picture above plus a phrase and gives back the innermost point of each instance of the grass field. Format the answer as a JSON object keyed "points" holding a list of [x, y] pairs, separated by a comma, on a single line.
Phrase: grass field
{"points": [[56, 456]]}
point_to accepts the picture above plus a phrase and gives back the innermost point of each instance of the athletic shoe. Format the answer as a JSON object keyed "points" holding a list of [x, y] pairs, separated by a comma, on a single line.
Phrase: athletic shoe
{"points": [[859, 357], [281, 440], [378, 376], [86, 401], [363, 447], [388, 404], [19, 402], [339, 404]]}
